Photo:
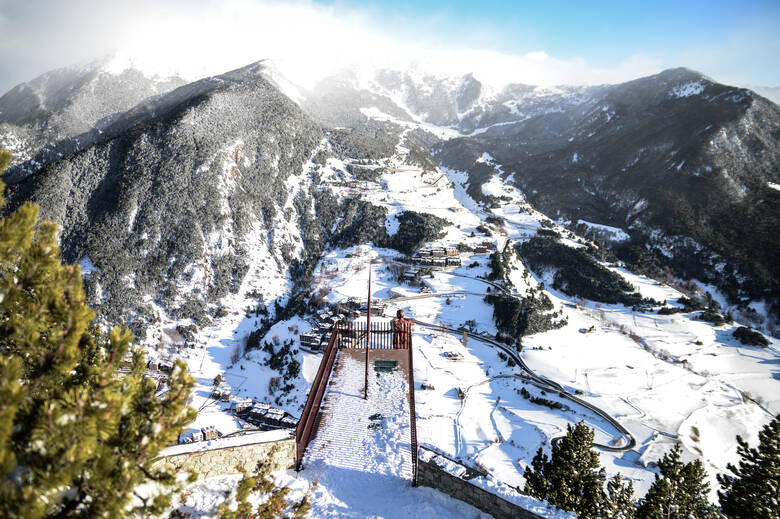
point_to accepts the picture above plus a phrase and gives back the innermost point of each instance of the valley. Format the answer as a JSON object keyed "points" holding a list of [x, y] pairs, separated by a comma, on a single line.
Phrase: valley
{"points": [[220, 218], [666, 379]]}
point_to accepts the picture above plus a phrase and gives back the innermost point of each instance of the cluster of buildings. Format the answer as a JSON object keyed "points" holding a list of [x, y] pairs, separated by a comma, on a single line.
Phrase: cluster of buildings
{"points": [[263, 415], [410, 275], [438, 257], [378, 308], [448, 256], [256, 413], [198, 435], [259, 414], [321, 327], [157, 369], [221, 393], [485, 247], [162, 364]]}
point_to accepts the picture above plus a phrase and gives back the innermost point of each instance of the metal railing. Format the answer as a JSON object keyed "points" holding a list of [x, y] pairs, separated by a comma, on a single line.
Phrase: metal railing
{"points": [[385, 335], [382, 335], [312, 407], [412, 412]]}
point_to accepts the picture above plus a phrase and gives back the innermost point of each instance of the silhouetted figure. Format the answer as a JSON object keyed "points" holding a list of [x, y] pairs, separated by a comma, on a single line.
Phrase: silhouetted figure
{"points": [[402, 330]]}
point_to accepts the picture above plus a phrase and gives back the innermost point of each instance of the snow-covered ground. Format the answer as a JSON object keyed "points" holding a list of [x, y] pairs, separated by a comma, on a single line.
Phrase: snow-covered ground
{"points": [[361, 470], [665, 378], [665, 388]]}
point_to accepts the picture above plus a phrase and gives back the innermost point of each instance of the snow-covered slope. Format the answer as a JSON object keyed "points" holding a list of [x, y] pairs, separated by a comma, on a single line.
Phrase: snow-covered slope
{"points": [[666, 378], [668, 159], [217, 218], [63, 104]]}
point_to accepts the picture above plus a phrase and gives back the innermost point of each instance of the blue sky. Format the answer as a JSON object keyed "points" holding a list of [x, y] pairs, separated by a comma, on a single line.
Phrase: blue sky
{"points": [[731, 41], [564, 42]]}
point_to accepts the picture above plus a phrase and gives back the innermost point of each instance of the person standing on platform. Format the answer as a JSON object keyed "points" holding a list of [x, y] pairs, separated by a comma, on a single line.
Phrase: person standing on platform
{"points": [[402, 329]]}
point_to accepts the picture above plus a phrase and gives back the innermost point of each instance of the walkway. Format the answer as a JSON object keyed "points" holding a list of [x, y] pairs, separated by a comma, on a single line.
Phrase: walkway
{"points": [[347, 437], [364, 465]]}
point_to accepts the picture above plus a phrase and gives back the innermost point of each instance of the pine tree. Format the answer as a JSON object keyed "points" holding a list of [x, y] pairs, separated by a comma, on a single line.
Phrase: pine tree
{"points": [[753, 492], [5, 160], [680, 492], [536, 483], [573, 478], [619, 499], [76, 438], [274, 504]]}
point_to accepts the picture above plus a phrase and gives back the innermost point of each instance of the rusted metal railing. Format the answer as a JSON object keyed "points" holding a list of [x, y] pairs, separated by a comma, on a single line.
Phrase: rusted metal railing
{"points": [[382, 335], [412, 412], [368, 333], [311, 409], [355, 334]]}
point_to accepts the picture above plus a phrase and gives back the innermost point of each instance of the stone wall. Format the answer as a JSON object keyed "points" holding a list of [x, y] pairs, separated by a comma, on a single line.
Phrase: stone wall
{"points": [[431, 475], [222, 458]]}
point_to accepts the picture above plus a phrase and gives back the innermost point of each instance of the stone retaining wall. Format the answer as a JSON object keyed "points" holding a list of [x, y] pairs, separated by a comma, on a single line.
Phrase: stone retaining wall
{"points": [[220, 461], [431, 475]]}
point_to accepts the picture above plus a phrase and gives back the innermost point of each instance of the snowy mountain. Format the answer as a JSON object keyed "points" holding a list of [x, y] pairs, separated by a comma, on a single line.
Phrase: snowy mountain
{"points": [[462, 104], [218, 217], [68, 102], [209, 191], [684, 165], [168, 202]]}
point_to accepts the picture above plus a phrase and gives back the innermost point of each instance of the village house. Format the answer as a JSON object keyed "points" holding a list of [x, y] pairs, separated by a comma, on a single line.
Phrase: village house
{"points": [[191, 435], [210, 433], [438, 256], [264, 415], [310, 340], [241, 405]]}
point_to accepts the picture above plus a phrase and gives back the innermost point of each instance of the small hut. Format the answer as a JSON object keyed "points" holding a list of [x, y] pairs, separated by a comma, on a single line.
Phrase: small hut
{"points": [[210, 433], [191, 435]]}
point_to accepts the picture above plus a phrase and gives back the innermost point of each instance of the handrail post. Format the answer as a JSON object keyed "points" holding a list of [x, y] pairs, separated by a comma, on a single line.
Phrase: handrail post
{"points": [[412, 412], [368, 331]]}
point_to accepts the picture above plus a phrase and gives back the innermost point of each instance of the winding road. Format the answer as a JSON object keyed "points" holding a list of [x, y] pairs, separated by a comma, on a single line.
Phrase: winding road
{"points": [[626, 440]]}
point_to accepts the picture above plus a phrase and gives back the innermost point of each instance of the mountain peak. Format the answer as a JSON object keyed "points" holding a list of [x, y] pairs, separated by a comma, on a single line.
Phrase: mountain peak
{"points": [[681, 74], [251, 71]]}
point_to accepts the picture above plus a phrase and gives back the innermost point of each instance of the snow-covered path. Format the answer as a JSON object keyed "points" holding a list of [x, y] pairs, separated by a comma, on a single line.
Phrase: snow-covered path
{"points": [[366, 472], [345, 440]]}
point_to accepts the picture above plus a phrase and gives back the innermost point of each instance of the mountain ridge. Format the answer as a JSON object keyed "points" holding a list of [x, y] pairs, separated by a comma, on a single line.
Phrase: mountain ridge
{"points": [[178, 187], [600, 153]]}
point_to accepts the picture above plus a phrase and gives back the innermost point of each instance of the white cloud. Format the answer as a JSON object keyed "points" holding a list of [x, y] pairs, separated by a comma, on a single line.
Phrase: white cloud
{"points": [[538, 68], [306, 41]]}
